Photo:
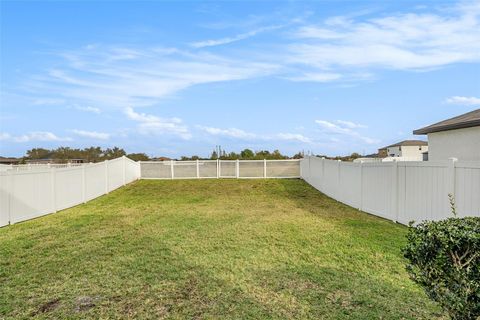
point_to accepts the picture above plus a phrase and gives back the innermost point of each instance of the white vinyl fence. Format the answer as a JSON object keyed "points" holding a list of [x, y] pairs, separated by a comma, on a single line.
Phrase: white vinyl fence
{"points": [[399, 191], [202, 169], [27, 194]]}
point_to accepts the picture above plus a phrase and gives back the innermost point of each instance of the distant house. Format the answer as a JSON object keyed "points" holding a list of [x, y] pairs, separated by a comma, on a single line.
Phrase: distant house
{"points": [[407, 150], [457, 137], [54, 161], [4, 160]]}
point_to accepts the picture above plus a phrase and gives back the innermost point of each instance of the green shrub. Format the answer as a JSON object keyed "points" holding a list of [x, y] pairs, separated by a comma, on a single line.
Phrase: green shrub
{"points": [[444, 258]]}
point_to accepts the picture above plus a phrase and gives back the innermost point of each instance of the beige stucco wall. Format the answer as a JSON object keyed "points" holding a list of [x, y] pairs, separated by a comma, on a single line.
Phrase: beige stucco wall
{"points": [[463, 144]]}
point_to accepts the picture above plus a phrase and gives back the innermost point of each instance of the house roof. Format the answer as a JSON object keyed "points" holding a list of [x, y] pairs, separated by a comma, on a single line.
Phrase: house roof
{"points": [[467, 120], [407, 143]]}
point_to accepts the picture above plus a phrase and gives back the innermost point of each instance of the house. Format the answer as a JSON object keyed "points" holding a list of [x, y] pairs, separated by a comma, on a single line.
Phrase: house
{"points": [[54, 161], [407, 150], [4, 160], [457, 137]]}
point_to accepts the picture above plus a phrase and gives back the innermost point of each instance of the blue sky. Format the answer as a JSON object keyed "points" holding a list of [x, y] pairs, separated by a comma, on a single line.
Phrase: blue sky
{"points": [[178, 78]]}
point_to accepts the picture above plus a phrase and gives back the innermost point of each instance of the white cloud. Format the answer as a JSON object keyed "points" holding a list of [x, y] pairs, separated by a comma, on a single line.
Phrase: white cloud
{"points": [[465, 101], [88, 109], [47, 101], [231, 132], [400, 41], [317, 77], [92, 134], [351, 125], [150, 124], [115, 77], [4, 136], [34, 136], [227, 40], [294, 137], [241, 134], [345, 129]]}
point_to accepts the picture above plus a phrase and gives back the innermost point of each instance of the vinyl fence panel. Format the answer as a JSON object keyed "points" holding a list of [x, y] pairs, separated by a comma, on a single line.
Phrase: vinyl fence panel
{"points": [[207, 169], [96, 181], [27, 193], [467, 188], [68, 194], [399, 191], [244, 169], [4, 199], [282, 168]]}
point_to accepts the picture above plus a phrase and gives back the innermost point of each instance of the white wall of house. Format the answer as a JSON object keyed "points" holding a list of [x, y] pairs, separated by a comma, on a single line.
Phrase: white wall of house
{"points": [[413, 152], [463, 144]]}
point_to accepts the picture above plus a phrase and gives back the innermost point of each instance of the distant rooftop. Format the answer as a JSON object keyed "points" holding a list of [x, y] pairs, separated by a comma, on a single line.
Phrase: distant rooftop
{"points": [[467, 120], [407, 143]]}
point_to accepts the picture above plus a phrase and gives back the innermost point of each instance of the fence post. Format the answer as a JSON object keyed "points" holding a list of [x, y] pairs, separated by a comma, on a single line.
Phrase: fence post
{"points": [[53, 188], [395, 191], [451, 173], [198, 170], [339, 164], [106, 176], [172, 174], [218, 168], [361, 185], [264, 168], [238, 169], [124, 168], [10, 192], [322, 181], [84, 183]]}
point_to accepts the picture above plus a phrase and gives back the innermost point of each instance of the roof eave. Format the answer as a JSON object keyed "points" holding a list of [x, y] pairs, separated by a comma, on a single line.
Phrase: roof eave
{"points": [[462, 125]]}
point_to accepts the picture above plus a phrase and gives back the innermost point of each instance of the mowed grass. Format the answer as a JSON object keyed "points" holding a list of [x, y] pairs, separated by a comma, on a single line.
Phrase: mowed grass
{"points": [[205, 249]]}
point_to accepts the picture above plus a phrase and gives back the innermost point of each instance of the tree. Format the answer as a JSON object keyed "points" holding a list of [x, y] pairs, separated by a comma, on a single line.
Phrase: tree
{"points": [[214, 155], [114, 153], [299, 155], [138, 156], [247, 154], [38, 153]]}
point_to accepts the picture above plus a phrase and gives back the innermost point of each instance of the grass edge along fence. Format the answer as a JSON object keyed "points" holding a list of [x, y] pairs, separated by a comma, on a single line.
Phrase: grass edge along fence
{"points": [[399, 191], [29, 194]]}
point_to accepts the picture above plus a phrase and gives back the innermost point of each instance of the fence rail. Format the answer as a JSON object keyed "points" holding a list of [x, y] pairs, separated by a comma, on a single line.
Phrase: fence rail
{"points": [[27, 194], [399, 191], [204, 169]]}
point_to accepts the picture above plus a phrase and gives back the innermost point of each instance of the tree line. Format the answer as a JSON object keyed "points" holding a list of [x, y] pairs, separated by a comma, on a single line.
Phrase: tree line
{"points": [[98, 154], [90, 154]]}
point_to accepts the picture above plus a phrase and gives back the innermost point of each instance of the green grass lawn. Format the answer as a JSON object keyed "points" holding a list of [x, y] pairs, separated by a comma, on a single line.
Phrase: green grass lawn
{"points": [[203, 249]]}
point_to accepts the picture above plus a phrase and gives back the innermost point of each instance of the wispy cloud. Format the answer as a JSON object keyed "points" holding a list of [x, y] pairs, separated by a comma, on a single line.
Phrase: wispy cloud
{"points": [[42, 136], [92, 134], [227, 40], [351, 125], [230, 132], [316, 77], [400, 41], [244, 135], [293, 137], [465, 101], [47, 101], [151, 124], [88, 109], [116, 77], [345, 128]]}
